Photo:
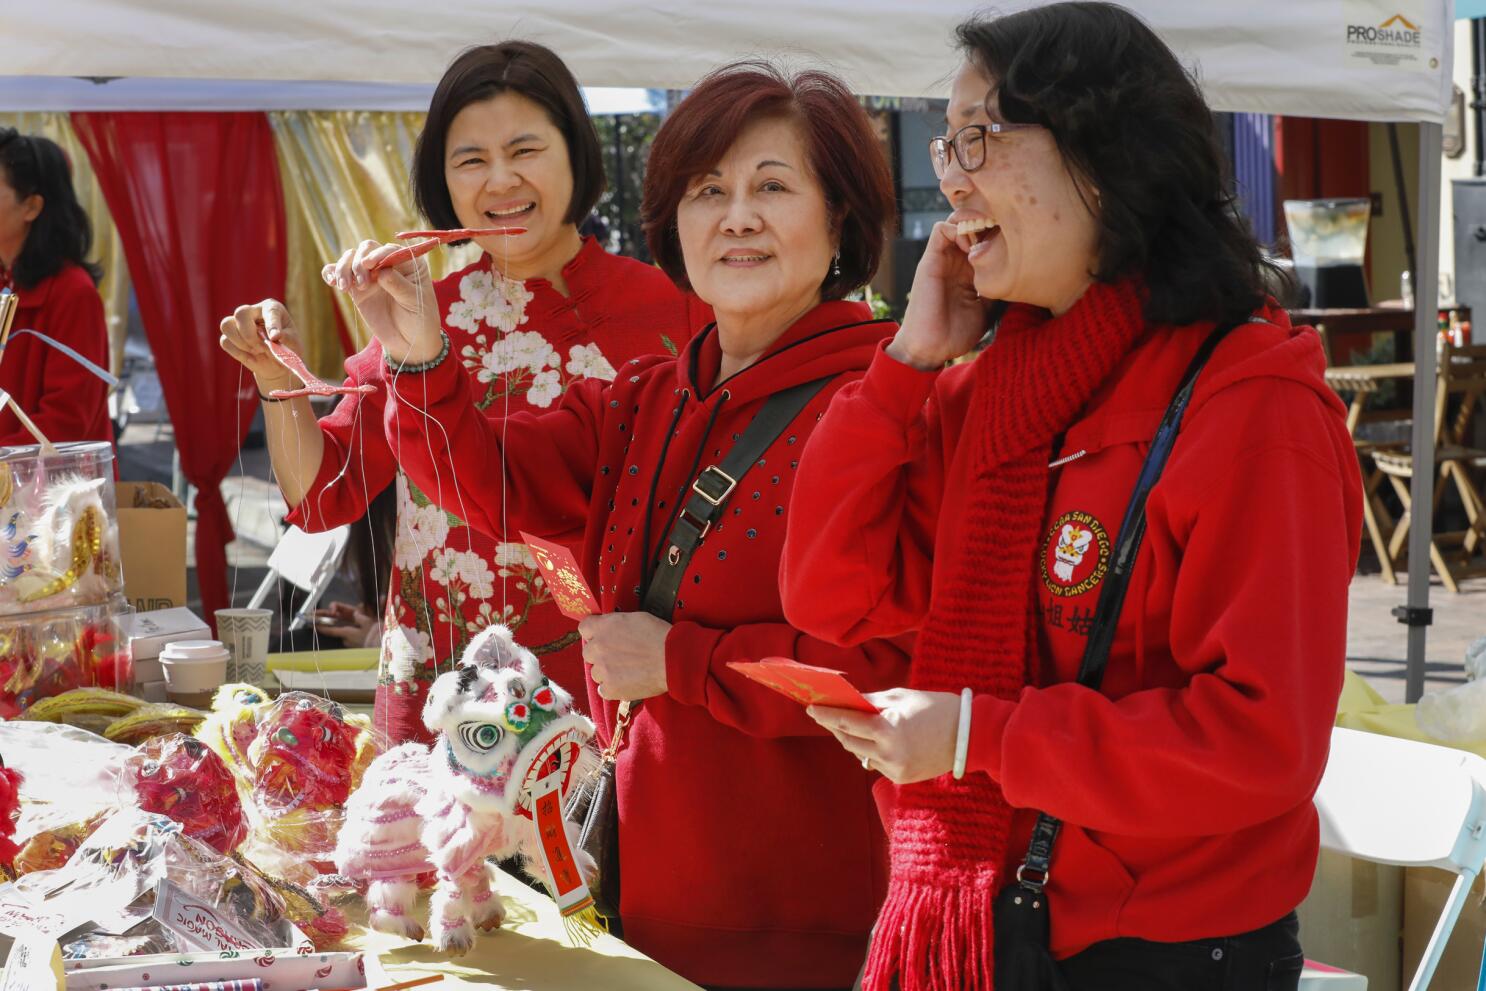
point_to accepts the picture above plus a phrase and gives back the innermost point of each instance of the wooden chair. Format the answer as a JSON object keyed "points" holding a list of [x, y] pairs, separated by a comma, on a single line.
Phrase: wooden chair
{"points": [[1459, 554]]}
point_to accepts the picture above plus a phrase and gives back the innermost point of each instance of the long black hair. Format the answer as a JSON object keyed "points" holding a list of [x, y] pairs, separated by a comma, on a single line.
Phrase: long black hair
{"points": [[33, 165], [529, 70], [1131, 123]]}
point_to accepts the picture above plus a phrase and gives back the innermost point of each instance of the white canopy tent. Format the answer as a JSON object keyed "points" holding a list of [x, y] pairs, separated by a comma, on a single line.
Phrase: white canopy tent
{"points": [[1374, 60]]}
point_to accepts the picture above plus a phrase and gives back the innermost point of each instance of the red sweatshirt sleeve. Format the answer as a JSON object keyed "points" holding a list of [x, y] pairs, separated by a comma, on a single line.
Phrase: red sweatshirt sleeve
{"points": [[1268, 541], [457, 455], [358, 463], [72, 397], [697, 672], [859, 552]]}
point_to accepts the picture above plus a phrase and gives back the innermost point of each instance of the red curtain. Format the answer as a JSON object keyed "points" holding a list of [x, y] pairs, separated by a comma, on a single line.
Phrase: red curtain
{"points": [[197, 201]]}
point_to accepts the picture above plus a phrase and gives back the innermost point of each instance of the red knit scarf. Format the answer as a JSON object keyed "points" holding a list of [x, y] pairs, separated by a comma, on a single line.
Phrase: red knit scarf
{"points": [[949, 837]]}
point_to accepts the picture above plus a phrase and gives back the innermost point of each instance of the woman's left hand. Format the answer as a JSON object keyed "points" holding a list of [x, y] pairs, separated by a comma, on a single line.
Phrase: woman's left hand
{"points": [[626, 654], [911, 739]]}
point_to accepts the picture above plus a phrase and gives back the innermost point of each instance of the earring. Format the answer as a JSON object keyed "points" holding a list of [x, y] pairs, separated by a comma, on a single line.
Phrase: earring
{"points": [[836, 263]]}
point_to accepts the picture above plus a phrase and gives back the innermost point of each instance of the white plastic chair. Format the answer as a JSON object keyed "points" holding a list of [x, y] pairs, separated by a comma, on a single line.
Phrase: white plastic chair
{"points": [[308, 562], [1413, 804]]}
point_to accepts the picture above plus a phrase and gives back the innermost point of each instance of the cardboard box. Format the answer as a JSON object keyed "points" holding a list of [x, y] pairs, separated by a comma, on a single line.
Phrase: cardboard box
{"points": [[1424, 892], [149, 632], [1352, 918], [152, 544]]}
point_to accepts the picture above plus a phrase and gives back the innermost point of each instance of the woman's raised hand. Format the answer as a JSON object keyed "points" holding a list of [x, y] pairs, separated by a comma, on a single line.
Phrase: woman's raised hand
{"points": [[243, 335], [397, 302], [945, 317]]}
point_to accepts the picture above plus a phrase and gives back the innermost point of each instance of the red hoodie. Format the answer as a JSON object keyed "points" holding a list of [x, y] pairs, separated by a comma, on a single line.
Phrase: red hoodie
{"points": [[751, 850], [66, 401], [1185, 784]]}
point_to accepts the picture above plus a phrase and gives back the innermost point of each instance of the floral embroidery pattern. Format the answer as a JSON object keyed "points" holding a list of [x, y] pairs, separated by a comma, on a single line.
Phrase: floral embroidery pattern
{"points": [[511, 362], [447, 583]]}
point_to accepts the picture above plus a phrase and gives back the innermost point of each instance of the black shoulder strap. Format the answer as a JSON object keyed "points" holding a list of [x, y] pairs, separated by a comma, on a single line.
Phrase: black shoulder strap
{"points": [[1034, 871], [714, 486]]}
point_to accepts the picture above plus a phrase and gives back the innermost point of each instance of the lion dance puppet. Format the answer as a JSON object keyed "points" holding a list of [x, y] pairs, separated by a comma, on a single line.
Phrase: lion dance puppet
{"points": [[508, 749]]}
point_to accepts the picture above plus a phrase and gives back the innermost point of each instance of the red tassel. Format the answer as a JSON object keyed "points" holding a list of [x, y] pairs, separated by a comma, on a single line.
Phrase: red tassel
{"points": [[931, 939]]}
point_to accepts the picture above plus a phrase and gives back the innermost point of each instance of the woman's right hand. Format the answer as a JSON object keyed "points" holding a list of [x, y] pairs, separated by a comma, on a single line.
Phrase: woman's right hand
{"points": [[243, 336], [945, 317], [397, 302]]}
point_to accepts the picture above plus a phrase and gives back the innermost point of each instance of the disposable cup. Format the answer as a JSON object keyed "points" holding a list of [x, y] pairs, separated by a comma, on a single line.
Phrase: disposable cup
{"points": [[245, 633]]}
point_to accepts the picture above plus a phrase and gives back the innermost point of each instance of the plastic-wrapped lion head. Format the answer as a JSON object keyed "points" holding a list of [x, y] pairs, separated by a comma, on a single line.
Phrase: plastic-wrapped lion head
{"points": [[307, 752], [503, 725]]}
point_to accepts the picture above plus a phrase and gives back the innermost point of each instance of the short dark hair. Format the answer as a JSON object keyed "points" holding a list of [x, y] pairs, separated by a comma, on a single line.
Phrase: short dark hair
{"points": [[61, 232], [526, 68], [1130, 121], [845, 157]]}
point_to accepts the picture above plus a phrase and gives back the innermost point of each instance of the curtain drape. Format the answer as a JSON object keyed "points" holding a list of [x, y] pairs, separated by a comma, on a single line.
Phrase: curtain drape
{"points": [[199, 209], [346, 179], [107, 249]]}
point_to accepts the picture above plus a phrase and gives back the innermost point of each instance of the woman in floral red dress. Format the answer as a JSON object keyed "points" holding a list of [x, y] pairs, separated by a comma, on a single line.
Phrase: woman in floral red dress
{"points": [[507, 142]]}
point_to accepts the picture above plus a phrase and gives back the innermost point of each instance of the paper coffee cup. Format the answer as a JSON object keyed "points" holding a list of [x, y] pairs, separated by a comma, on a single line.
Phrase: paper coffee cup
{"points": [[245, 632], [194, 670]]}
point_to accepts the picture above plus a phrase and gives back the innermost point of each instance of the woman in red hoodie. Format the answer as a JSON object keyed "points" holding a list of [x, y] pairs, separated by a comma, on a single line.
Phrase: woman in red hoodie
{"points": [[750, 847], [507, 142], [982, 506]]}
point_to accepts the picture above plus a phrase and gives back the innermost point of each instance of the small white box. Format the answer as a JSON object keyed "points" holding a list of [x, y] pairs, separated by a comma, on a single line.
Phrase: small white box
{"points": [[151, 691], [148, 670], [151, 631]]}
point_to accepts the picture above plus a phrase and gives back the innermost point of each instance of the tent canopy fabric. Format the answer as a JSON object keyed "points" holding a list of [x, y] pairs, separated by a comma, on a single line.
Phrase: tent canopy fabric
{"points": [[1356, 59]]}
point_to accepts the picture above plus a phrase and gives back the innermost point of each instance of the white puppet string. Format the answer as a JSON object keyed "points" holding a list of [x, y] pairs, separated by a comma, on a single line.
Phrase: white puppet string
{"points": [[242, 477]]}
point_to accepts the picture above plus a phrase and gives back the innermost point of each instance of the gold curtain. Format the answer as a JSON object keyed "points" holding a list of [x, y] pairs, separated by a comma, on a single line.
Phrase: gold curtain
{"points": [[346, 178], [108, 251]]}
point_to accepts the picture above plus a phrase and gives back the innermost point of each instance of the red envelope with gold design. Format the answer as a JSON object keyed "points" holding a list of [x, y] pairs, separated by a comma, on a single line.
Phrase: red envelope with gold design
{"points": [[559, 569], [805, 683]]}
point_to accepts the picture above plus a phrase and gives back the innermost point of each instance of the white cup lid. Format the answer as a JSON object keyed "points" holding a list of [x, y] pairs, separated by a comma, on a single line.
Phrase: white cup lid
{"points": [[194, 650]]}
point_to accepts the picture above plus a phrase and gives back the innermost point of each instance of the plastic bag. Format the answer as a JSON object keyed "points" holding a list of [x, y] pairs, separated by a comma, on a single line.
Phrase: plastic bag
{"points": [[178, 777], [71, 775], [114, 879], [1456, 715]]}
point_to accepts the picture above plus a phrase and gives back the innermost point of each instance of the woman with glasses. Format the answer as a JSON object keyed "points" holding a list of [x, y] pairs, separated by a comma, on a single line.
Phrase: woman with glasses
{"points": [[990, 508], [45, 237]]}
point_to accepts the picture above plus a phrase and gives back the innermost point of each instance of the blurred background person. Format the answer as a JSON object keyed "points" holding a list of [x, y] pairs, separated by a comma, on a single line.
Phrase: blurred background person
{"points": [[45, 237]]}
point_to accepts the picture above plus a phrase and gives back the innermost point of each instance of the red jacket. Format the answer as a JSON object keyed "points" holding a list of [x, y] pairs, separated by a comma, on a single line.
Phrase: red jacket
{"points": [[1185, 784], [616, 308], [66, 401], [751, 850]]}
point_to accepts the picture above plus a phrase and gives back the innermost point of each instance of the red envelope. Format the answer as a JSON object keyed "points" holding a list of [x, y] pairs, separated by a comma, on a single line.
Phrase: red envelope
{"points": [[806, 684], [559, 569]]}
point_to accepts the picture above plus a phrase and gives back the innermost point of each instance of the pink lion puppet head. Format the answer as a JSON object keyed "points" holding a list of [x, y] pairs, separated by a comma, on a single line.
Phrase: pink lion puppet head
{"points": [[502, 725]]}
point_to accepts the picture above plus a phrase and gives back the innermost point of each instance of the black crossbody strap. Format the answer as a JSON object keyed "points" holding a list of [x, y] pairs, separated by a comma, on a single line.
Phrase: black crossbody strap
{"points": [[1034, 871], [715, 485]]}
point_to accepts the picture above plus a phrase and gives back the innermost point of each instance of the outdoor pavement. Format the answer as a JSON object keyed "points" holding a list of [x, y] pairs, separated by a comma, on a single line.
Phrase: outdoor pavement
{"points": [[1376, 642]]}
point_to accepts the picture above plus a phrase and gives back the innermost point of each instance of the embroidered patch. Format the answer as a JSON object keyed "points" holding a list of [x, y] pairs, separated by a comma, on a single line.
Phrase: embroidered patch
{"points": [[1075, 555]]}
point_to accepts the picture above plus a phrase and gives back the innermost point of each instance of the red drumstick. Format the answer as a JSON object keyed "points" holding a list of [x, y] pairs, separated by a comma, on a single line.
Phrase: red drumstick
{"points": [[436, 238], [313, 384]]}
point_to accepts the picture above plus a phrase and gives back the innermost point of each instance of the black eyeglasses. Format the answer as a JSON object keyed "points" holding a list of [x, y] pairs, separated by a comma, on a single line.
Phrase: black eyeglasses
{"points": [[967, 146]]}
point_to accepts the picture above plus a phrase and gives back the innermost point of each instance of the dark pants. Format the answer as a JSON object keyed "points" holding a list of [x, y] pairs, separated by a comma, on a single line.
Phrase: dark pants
{"points": [[1267, 959]]}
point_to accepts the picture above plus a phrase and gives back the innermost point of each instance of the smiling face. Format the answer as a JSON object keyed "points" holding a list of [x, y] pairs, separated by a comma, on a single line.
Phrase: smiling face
{"points": [[506, 165], [756, 235], [1029, 234]]}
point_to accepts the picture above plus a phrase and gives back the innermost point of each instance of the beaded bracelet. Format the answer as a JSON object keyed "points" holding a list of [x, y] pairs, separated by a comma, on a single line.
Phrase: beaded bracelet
{"points": [[397, 368]]}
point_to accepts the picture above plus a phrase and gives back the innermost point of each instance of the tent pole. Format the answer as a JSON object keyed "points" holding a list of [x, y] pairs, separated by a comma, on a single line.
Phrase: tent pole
{"points": [[1416, 615]]}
